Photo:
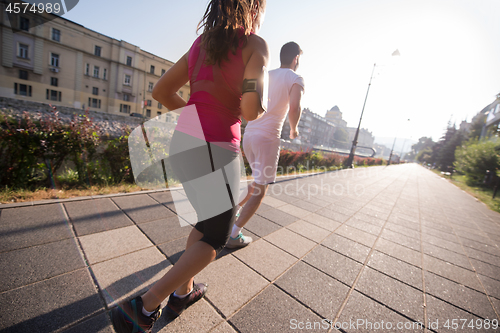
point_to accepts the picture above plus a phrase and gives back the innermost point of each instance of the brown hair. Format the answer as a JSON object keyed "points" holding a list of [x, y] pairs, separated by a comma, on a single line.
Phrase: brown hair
{"points": [[221, 22]]}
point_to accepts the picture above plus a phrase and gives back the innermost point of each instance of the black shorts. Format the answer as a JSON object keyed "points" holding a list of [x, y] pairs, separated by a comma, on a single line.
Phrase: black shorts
{"points": [[191, 158]]}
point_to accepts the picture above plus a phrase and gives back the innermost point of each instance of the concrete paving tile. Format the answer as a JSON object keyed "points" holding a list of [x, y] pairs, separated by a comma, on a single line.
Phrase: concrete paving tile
{"points": [[459, 295], [356, 235], [226, 290], [397, 269], [283, 314], [449, 256], [279, 217], [322, 222], [130, 275], [403, 230], [277, 191], [369, 219], [318, 291], [291, 242], [263, 207], [94, 216], [445, 244], [473, 234], [174, 249], [33, 225], [224, 327], [491, 270], [399, 251], [491, 249], [294, 210], [480, 255], [492, 286], [164, 197], [273, 202], [340, 267], [338, 208], [452, 272], [368, 227], [200, 317], [50, 304], [375, 213], [165, 230], [392, 293], [362, 314], [110, 244], [308, 230], [429, 227], [442, 317], [332, 215], [141, 208], [97, 324], [347, 247], [496, 304], [395, 237], [33, 264], [448, 236], [308, 205], [266, 259], [261, 226]]}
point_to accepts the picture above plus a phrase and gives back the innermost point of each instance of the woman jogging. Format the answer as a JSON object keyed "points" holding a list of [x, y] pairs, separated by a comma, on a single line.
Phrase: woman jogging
{"points": [[225, 69]]}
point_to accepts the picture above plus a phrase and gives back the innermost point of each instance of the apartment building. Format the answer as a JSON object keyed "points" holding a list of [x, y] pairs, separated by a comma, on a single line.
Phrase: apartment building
{"points": [[314, 130], [49, 59]]}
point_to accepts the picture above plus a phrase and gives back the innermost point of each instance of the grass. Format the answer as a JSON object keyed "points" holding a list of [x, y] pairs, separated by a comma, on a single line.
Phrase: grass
{"points": [[482, 193]]}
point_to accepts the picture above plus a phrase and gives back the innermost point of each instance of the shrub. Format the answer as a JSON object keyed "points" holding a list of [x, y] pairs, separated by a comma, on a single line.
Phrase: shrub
{"points": [[474, 158]]}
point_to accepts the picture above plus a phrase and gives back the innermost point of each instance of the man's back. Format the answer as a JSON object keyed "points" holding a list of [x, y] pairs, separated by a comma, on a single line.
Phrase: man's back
{"points": [[281, 81]]}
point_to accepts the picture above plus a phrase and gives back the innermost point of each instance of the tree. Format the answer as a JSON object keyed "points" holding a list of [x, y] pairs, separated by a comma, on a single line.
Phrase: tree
{"points": [[477, 126], [443, 152]]}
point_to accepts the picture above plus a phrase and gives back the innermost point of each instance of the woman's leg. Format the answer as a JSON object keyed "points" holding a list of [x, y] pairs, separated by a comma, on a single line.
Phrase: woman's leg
{"points": [[197, 256]]}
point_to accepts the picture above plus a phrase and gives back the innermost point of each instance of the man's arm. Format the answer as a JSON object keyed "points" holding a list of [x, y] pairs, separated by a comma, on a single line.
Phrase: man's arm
{"points": [[295, 110]]}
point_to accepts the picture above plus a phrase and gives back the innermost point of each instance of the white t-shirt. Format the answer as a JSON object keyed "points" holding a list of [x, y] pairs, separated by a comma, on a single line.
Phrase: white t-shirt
{"points": [[281, 81]]}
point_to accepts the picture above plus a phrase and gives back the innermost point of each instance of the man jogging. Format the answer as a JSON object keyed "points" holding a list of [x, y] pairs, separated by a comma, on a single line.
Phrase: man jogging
{"points": [[261, 141]]}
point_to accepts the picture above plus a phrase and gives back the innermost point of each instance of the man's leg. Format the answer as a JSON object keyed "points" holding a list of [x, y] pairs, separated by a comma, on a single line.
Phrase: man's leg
{"points": [[257, 195]]}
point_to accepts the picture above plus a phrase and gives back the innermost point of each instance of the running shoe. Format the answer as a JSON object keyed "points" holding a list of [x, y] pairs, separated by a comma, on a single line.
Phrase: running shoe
{"points": [[176, 305], [238, 242], [127, 317]]}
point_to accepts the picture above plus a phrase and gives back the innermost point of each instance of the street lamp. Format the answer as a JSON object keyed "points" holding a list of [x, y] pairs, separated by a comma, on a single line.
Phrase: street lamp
{"points": [[348, 161]]}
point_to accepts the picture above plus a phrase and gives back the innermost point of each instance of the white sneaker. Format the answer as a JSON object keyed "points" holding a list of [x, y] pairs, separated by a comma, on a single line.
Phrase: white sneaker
{"points": [[238, 242]]}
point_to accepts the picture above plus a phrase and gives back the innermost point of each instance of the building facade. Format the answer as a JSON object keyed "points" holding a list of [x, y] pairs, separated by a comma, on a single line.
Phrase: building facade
{"points": [[314, 130], [53, 60], [335, 116]]}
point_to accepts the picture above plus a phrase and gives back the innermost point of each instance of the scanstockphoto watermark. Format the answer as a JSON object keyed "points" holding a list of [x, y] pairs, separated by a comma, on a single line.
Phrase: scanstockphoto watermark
{"points": [[357, 324], [298, 187]]}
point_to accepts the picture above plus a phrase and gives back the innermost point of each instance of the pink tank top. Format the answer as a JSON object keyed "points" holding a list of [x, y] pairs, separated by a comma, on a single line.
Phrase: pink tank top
{"points": [[216, 93]]}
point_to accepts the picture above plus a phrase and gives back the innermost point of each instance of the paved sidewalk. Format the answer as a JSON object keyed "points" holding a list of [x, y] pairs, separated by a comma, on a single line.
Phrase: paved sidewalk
{"points": [[371, 249]]}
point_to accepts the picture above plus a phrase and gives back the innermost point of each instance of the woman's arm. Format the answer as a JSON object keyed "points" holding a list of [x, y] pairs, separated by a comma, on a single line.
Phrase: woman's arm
{"points": [[251, 107], [165, 90]]}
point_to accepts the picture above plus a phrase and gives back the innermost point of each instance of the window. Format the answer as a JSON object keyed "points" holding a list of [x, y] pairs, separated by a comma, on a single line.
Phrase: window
{"points": [[53, 95], [54, 81], [94, 103], [23, 75], [56, 35], [163, 71], [22, 89], [126, 80], [129, 61], [54, 60], [126, 97], [95, 91], [124, 108], [96, 71], [24, 24], [152, 69], [159, 105], [148, 113], [150, 87], [104, 73], [97, 51], [87, 69], [23, 51], [148, 102], [158, 113], [181, 93]]}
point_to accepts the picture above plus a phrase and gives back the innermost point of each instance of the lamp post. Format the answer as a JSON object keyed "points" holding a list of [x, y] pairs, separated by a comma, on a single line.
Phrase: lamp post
{"points": [[348, 161]]}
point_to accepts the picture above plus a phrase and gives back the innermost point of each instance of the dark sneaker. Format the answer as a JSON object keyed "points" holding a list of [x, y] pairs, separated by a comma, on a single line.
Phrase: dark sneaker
{"points": [[238, 242], [127, 317], [176, 305]]}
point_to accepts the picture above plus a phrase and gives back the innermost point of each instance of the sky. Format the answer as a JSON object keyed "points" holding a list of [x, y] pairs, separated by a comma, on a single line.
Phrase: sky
{"points": [[449, 68]]}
